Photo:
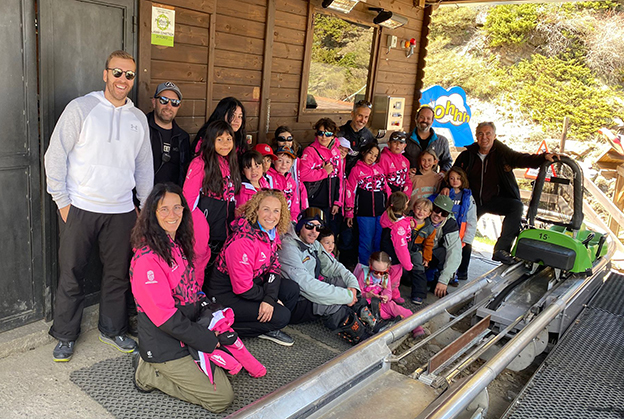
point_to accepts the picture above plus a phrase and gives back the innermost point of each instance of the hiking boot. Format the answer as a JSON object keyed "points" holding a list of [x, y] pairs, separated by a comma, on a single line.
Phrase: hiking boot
{"points": [[417, 300], [136, 357], [503, 256], [454, 282], [121, 342], [278, 337], [63, 350]]}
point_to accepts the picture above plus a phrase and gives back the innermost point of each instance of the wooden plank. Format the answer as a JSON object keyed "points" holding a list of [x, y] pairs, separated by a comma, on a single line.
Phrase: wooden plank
{"points": [[191, 124], [190, 90], [398, 67], [447, 353], [397, 89], [145, 56], [191, 35], [237, 76], [402, 78], [265, 94], [192, 108], [284, 95], [240, 27], [284, 50], [284, 109], [288, 81], [248, 12], [224, 58], [305, 71], [181, 53], [206, 6], [297, 7], [290, 36], [242, 93], [614, 211], [210, 70], [178, 71], [289, 20], [286, 66], [190, 18], [237, 43]]}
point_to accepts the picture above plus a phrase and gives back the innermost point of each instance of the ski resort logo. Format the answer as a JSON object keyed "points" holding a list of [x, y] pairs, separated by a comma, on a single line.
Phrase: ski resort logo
{"points": [[150, 278]]}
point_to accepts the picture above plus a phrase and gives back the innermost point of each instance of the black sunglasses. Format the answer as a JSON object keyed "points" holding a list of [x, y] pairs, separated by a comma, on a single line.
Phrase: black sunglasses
{"points": [[440, 211], [164, 100], [325, 133], [289, 138], [117, 72], [363, 103], [312, 226]]}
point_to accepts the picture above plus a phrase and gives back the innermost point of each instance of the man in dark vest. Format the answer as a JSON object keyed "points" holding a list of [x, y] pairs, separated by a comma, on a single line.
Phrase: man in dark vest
{"points": [[171, 147]]}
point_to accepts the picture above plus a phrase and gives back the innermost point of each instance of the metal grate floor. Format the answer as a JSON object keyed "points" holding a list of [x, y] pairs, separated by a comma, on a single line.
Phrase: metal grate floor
{"points": [[110, 382], [584, 375]]}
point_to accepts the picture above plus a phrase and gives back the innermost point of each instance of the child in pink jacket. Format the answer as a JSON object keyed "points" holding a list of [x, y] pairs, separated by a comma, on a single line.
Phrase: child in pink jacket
{"points": [[253, 180], [212, 181], [395, 165], [279, 177], [322, 172], [367, 193], [375, 284]]}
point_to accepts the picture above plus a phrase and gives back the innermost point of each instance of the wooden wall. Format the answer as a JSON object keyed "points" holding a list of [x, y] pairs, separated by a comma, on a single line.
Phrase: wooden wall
{"points": [[255, 50]]}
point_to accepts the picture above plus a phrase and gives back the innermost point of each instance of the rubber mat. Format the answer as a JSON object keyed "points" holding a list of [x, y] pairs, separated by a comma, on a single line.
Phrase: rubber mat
{"points": [[110, 382], [583, 377]]}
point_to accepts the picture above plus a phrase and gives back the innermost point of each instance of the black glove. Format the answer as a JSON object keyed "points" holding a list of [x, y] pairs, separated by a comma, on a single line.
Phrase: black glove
{"points": [[227, 338]]}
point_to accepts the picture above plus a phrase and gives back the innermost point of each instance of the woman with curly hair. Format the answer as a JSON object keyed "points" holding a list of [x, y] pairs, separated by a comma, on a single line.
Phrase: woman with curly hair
{"points": [[168, 304], [248, 278]]}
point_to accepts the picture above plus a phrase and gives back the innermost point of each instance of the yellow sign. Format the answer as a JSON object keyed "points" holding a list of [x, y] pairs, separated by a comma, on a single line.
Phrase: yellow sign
{"points": [[163, 26]]}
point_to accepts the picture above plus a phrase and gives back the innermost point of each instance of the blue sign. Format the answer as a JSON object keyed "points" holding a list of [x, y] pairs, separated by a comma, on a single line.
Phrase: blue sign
{"points": [[451, 113]]}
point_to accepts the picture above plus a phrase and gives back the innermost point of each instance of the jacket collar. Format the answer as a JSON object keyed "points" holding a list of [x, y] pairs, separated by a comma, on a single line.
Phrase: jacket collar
{"points": [[175, 129]]}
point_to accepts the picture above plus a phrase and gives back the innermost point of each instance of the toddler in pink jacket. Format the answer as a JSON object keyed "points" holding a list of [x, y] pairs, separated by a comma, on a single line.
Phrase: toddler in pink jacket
{"points": [[279, 177], [375, 284]]}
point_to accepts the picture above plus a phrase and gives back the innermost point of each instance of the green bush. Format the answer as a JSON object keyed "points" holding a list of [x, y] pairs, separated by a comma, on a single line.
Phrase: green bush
{"points": [[552, 88], [456, 24], [510, 24]]}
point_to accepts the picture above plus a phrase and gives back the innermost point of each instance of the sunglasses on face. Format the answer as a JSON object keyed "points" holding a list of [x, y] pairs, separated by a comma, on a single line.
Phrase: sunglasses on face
{"points": [[312, 226], [440, 211], [379, 273], [164, 100], [324, 133], [117, 72], [284, 139]]}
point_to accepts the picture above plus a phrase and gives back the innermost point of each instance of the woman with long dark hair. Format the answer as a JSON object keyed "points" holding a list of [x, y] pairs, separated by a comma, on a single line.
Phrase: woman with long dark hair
{"points": [[232, 111], [168, 303]]}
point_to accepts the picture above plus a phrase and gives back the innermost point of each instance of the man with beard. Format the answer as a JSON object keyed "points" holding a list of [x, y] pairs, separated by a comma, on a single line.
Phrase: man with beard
{"points": [[356, 133], [171, 147], [99, 151], [424, 137]]}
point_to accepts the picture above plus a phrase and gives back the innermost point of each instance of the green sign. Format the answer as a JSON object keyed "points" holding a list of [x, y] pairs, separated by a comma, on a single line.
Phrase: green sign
{"points": [[163, 26]]}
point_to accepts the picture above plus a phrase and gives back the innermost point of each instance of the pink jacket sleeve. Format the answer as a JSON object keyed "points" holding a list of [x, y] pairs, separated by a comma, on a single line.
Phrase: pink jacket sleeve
{"points": [[350, 191], [400, 244], [151, 289], [359, 274], [193, 182], [311, 166], [341, 183], [241, 274]]}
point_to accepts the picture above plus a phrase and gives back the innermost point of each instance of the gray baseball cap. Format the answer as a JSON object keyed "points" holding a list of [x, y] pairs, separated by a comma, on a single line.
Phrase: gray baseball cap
{"points": [[168, 85]]}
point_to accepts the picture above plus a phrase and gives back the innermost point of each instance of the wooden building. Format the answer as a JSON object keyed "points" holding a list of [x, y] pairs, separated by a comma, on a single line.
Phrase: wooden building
{"points": [[258, 51]]}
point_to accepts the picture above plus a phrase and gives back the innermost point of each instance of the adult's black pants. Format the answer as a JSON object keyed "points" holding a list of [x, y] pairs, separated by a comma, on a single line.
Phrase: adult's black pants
{"points": [[512, 209], [77, 238]]}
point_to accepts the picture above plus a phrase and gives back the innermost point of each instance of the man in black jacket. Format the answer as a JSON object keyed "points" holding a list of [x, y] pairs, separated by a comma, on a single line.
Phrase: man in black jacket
{"points": [[171, 147], [489, 165], [356, 132]]}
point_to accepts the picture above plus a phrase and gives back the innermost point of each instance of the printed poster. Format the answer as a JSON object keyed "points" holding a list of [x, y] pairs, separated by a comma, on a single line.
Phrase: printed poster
{"points": [[163, 26]]}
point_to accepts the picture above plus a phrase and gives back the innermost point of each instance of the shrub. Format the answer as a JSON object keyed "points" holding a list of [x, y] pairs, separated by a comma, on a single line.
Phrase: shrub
{"points": [[553, 88], [510, 24]]}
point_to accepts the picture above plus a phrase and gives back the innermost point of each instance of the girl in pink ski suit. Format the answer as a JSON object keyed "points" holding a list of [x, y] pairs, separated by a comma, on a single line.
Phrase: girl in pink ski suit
{"points": [[366, 197], [395, 165], [212, 181], [279, 177], [252, 181], [322, 172], [168, 300]]}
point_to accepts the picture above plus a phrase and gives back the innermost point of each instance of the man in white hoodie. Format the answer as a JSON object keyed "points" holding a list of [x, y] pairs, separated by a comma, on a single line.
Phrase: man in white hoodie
{"points": [[99, 151]]}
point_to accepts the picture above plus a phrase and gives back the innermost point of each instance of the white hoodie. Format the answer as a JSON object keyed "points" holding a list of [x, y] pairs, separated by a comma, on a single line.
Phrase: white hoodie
{"points": [[97, 154]]}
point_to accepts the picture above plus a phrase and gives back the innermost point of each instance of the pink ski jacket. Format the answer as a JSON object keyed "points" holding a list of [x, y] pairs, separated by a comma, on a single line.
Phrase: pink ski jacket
{"points": [[396, 169], [400, 234], [368, 183], [311, 165]]}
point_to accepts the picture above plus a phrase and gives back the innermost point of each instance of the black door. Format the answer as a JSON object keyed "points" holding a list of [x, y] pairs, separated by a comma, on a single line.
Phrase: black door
{"points": [[76, 37]]}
